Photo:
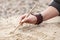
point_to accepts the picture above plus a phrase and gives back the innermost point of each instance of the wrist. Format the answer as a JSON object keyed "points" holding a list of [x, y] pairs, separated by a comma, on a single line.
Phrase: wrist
{"points": [[39, 18]]}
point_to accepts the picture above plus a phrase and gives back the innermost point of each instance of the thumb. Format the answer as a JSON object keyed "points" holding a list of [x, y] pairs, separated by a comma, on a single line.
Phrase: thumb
{"points": [[25, 20]]}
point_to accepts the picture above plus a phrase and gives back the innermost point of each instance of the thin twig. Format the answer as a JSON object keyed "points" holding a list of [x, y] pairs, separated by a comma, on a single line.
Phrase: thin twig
{"points": [[30, 11]]}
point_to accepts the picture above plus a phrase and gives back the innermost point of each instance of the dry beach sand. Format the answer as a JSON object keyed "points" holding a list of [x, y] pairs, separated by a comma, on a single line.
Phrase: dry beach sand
{"points": [[10, 11]]}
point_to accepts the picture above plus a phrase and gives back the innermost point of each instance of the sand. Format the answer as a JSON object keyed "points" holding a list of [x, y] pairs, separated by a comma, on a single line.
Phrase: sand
{"points": [[10, 12]]}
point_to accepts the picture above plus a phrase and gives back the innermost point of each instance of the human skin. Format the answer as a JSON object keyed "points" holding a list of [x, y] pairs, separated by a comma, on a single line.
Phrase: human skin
{"points": [[49, 13]]}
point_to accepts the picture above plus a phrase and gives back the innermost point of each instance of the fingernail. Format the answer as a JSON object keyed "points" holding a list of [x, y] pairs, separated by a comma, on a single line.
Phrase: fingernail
{"points": [[23, 20]]}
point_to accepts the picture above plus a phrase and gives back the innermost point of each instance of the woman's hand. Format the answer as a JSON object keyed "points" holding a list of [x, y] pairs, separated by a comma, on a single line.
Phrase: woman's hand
{"points": [[30, 19]]}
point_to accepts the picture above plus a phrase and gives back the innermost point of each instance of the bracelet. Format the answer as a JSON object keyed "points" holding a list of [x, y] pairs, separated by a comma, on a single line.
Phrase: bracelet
{"points": [[39, 18]]}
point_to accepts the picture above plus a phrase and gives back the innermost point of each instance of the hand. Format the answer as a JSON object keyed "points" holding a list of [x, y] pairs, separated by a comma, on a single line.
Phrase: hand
{"points": [[30, 19]]}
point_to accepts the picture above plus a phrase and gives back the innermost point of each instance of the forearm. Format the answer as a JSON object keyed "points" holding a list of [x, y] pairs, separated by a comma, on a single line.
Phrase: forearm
{"points": [[50, 12]]}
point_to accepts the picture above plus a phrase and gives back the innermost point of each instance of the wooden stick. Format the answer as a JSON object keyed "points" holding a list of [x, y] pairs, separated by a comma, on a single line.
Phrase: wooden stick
{"points": [[30, 11]]}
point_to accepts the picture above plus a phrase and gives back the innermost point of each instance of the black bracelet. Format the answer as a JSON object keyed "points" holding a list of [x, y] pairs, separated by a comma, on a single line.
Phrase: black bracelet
{"points": [[39, 18]]}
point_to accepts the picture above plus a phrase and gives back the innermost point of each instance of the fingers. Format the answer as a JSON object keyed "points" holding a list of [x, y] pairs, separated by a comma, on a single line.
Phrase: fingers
{"points": [[25, 20], [21, 18], [30, 19]]}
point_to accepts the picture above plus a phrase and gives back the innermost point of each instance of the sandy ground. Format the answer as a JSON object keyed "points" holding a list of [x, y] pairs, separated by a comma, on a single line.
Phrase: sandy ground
{"points": [[10, 11]]}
